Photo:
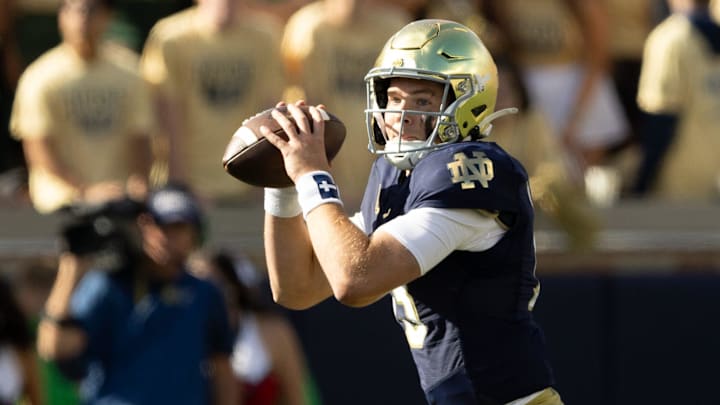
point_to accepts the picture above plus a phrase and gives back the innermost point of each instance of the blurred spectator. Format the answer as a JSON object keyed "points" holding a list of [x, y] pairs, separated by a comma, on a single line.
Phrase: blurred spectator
{"points": [[680, 91], [328, 46], [561, 47], [267, 357], [140, 329], [84, 115], [715, 9], [13, 173], [19, 377], [211, 66]]}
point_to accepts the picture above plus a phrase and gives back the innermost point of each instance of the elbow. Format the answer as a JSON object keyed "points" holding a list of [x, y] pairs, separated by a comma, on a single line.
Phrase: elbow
{"points": [[352, 295], [290, 301], [354, 302]]}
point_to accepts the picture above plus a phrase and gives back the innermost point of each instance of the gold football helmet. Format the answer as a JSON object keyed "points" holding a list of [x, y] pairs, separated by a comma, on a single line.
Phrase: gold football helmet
{"points": [[440, 51]]}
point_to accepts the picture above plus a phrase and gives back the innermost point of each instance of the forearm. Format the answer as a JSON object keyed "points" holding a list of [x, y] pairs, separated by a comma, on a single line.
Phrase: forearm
{"points": [[295, 277], [57, 341], [592, 18], [357, 269], [360, 269], [39, 154]]}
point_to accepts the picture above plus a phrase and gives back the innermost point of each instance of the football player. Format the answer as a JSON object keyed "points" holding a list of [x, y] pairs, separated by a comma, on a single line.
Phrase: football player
{"points": [[446, 223]]}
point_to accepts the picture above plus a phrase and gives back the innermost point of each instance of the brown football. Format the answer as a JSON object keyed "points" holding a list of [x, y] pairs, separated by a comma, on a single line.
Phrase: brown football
{"points": [[251, 158]]}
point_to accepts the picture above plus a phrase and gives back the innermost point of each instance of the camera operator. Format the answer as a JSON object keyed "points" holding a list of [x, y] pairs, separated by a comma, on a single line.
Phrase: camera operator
{"points": [[141, 331]]}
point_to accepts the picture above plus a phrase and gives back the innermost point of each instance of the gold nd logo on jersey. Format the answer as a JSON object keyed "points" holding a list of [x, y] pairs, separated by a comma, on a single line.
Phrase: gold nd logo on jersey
{"points": [[467, 170]]}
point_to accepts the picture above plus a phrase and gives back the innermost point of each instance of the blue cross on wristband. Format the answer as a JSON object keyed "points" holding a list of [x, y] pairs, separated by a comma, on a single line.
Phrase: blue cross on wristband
{"points": [[316, 188], [326, 186]]}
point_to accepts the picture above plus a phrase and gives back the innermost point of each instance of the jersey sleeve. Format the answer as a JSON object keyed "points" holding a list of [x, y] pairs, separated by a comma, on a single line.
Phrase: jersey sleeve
{"points": [[31, 114], [156, 61]]}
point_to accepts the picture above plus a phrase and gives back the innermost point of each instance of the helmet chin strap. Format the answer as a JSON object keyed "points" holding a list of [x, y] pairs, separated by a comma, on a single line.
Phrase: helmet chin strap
{"points": [[486, 126]]}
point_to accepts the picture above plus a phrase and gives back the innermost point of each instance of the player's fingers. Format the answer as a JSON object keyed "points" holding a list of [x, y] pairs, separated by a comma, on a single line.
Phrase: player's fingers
{"points": [[284, 123], [318, 120], [301, 119], [280, 104], [272, 137]]}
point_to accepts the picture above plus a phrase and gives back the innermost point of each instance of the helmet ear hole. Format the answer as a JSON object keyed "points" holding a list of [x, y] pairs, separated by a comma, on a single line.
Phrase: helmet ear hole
{"points": [[478, 110]]}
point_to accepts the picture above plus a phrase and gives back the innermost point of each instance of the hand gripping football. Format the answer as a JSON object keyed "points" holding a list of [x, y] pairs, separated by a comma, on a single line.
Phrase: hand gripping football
{"points": [[251, 158]]}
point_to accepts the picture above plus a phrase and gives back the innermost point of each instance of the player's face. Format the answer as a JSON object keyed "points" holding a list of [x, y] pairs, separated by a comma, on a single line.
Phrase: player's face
{"points": [[82, 24], [412, 94]]}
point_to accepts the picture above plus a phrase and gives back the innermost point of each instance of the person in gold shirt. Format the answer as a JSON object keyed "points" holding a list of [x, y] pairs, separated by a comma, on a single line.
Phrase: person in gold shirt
{"points": [[210, 67], [679, 90], [83, 114]]}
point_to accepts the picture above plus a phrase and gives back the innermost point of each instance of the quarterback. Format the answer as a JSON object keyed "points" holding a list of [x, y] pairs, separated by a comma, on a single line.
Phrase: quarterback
{"points": [[445, 226]]}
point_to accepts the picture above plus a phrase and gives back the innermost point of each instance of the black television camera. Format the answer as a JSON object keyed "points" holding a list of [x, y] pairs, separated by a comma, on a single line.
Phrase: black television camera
{"points": [[106, 232]]}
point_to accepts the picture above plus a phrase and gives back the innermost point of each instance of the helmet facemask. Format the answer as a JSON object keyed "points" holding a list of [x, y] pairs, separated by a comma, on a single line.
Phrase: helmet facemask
{"points": [[443, 52], [441, 126]]}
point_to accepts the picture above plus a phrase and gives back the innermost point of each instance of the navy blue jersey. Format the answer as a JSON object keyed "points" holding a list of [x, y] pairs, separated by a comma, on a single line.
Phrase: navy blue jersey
{"points": [[470, 316]]}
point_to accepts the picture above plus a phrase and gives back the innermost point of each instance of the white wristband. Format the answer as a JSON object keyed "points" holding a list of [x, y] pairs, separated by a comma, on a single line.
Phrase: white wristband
{"points": [[282, 202], [316, 188]]}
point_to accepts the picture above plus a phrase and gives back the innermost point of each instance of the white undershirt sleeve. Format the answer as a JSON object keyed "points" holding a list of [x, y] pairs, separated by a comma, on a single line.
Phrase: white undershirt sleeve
{"points": [[358, 220], [431, 234]]}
